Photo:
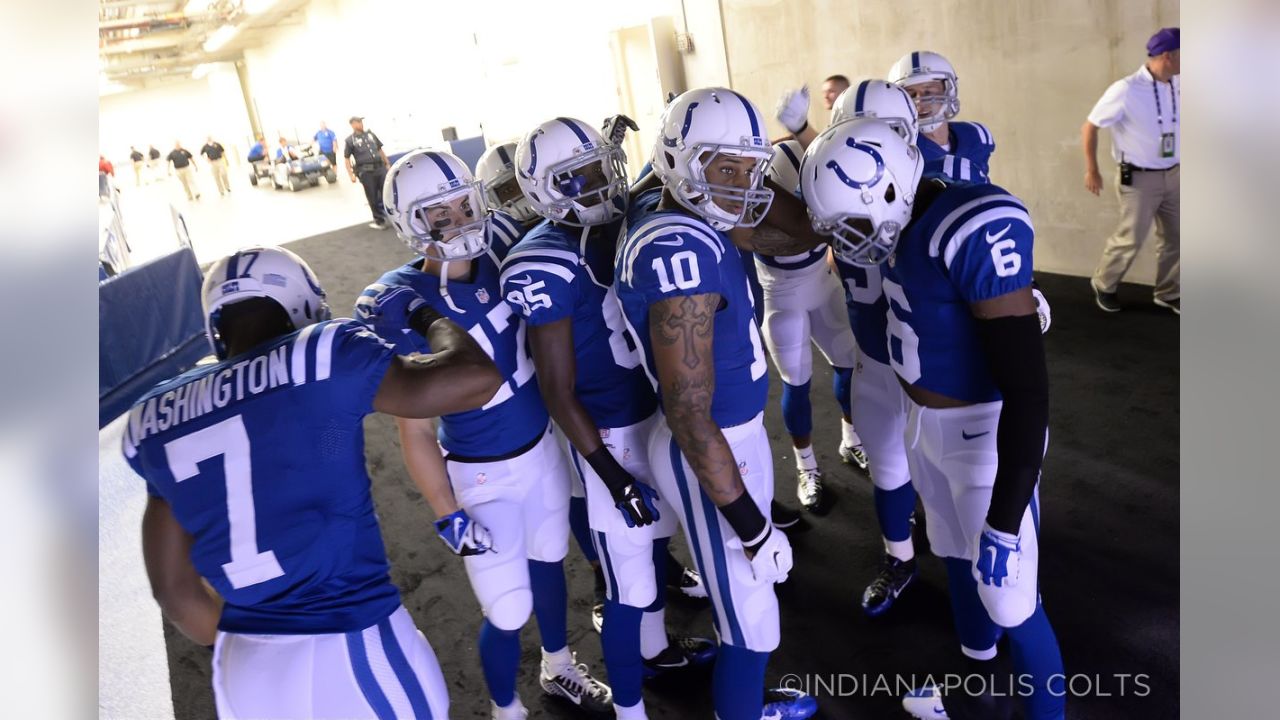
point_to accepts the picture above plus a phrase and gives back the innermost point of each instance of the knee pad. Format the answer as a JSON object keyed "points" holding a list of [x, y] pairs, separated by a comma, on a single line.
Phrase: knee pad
{"points": [[511, 610], [1008, 607]]}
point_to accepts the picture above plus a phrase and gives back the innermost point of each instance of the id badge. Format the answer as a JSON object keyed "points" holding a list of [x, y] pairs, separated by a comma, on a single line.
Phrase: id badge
{"points": [[1166, 145]]}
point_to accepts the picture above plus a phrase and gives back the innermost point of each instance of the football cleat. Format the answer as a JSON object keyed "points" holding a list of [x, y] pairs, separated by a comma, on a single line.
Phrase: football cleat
{"points": [[597, 607], [782, 516], [597, 616], [680, 653], [788, 704], [575, 684], [925, 702], [514, 711], [853, 455], [690, 583], [809, 488], [894, 577]]}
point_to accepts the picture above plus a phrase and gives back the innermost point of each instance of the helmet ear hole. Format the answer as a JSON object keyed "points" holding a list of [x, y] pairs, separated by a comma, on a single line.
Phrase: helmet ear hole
{"points": [[890, 194], [671, 160]]}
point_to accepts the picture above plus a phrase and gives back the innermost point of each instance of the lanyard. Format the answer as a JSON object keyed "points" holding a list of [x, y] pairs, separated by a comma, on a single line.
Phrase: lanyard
{"points": [[1173, 98]]}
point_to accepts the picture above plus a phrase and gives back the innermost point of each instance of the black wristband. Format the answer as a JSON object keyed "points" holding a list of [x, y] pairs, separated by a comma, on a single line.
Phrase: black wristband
{"points": [[422, 318], [745, 519], [803, 127], [614, 476]]}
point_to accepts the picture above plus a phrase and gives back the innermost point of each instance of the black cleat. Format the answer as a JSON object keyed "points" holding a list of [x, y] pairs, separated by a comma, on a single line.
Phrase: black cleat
{"points": [[894, 577]]}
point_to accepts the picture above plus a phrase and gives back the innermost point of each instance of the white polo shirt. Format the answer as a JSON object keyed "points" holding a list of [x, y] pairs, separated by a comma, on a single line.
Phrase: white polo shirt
{"points": [[1129, 108]]}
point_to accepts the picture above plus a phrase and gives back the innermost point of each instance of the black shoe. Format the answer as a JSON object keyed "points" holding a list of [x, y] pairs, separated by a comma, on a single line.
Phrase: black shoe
{"points": [[1108, 302], [894, 577], [680, 653], [783, 517], [1175, 305]]}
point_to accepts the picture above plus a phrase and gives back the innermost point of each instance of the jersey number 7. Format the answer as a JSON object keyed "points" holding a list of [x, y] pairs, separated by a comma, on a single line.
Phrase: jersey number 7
{"points": [[228, 438]]}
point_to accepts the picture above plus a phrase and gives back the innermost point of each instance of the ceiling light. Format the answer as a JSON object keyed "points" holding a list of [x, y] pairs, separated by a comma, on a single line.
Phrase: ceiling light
{"points": [[201, 70], [220, 37]]}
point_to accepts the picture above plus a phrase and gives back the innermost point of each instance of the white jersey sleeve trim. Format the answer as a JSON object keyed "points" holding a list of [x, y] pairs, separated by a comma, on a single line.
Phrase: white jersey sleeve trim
{"points": [[324, 351], [298, 354], [652, 229], [529, 265], [975, 223], [541, 253], [935, 242]]}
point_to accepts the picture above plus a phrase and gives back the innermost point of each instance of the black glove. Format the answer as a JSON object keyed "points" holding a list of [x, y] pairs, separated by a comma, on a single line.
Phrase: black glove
{"points": [[615, 128]]}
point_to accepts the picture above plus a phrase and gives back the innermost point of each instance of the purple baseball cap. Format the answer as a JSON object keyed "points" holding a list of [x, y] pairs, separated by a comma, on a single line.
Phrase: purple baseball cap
{"points": [[1163, 41]]}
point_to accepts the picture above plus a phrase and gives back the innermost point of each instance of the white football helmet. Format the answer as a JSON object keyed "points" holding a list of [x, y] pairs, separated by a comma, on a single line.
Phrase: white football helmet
{"points": [[496, 172], [424, 192], [564, 166], [267, 272], [923, 66], [879, 99], [698, 126], [784, 169], [859, 180]]}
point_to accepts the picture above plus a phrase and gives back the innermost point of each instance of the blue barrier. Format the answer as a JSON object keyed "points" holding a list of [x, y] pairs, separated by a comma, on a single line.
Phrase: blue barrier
{"points": [[150, 328]]}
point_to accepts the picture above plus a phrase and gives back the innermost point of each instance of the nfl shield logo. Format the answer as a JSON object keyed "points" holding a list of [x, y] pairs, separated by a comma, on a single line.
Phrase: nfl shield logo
{"points": [[604, 433], [483, 296], [481, 478], [742, 468], [626, 454]]}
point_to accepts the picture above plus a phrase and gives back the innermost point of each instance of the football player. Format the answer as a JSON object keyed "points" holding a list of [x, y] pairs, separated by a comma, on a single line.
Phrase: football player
{"points": [[256, 484], [685, 297], [954, 151], [502, 461], [496, 172], [965, 344], [559, 278], [804, 306]]}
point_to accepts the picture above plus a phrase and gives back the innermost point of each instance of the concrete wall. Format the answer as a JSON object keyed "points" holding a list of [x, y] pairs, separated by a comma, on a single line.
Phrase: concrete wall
{"points": [[1030, 70]]}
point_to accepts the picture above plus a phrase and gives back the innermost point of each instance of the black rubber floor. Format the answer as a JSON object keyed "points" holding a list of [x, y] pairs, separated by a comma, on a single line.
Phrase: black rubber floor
{"points": [[1109, 557]]}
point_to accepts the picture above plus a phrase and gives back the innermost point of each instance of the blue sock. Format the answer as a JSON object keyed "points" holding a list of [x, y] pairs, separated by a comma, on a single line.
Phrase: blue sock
{"points": [[550, 603], [1036, 655], [841, 381], [797, 413], [660, 561], [738, 683], [893, 509], [974, 625], [500, 659], [581, 531], [620, 639]]}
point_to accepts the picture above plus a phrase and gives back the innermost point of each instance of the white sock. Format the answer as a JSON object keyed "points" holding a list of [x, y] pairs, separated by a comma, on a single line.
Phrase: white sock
{"points": [[557, 660], [513, 710], [848, 434], [653, 632], [630, 712], [903, 550], [806, 459]]}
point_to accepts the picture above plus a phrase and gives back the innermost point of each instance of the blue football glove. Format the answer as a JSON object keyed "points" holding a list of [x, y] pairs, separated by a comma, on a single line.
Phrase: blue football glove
{"points": [[998, 559], [463, 535], [387, 307], [638, 504]]}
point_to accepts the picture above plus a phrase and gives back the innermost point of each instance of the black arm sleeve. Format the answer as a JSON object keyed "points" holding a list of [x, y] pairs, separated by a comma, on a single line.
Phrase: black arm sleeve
{"points": [[1014, 349]]}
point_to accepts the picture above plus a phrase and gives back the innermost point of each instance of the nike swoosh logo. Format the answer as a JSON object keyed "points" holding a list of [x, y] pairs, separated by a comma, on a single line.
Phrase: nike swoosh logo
{"points": [[526, 280], [967, 436], [993, 560], [674, 243], [991, 239], [683, 661]]}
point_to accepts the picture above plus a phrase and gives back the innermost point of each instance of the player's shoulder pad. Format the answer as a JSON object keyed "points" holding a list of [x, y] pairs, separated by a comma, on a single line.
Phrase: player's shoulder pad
{"points": [[979, 132], [545, 250], [504, 231], [663, 234], [963, 210]]}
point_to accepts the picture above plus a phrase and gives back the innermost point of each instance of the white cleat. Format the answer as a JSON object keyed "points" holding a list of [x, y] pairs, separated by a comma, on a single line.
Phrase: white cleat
{"points": [[809, 488], [514, 711], [854, 455], [575, 684], [925, 702]]}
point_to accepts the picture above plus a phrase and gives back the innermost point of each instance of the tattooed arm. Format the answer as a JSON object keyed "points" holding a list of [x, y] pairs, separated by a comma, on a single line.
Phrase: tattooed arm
{"points": [[785, 229], [681, 330]]}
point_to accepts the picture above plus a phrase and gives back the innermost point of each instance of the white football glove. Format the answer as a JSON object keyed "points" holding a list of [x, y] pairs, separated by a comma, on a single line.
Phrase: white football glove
{"points": [[1042, 309], [793, 109], [772, 560], [997, 559]]}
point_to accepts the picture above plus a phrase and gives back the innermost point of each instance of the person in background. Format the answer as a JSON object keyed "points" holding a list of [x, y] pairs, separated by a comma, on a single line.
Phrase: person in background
{"points": [[137, 158], [831, 89], [286, 152], [153, 162], [325, 138], [217, 156], [182, 163], [105, 166], [366, 161], [1142, 112], [259, 150]]}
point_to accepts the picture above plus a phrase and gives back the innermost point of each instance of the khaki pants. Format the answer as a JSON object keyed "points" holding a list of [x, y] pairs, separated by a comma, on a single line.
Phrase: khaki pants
{"points": [[188, 177], [1153, 197], [137, 173], [219, 168]]}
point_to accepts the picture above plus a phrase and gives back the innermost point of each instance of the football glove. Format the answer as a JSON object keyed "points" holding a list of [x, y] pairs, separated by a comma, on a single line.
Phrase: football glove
{"points": [[387, 307], [463, 535], [793, 109], [998, 558], [615, 128], [1042, 309], [637, 503], [770, 558]]}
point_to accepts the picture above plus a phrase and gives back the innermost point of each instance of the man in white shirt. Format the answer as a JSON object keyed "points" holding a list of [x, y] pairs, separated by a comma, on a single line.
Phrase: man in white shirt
{"points": [[1142, 112]]}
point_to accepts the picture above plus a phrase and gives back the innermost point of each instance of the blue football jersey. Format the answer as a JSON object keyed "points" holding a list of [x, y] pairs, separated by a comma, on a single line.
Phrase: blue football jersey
{"points": [[670, 254], [972, 243], [868, 309], [966, 160], [547, 278], [261, 458], [515, 416]]}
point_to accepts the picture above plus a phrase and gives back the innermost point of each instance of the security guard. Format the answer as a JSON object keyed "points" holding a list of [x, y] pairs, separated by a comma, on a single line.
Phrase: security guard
{"points": [[1142, 112], [365, 158]]}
